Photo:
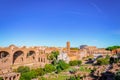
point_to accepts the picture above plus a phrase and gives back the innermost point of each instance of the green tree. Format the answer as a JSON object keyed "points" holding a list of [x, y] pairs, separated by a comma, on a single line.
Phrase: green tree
{"points": [[42, 78], [112, 48], [49, 68], [40, 71], [102, 61], [116, 60], [53, 55], [107, 57], [117, 75], [111, 61], [79, 62], [74, 78], [1, 78], [74, 48], [73, 71], [28, 75], [54, 62], [62, 65], [75, 63], [23, 69]]}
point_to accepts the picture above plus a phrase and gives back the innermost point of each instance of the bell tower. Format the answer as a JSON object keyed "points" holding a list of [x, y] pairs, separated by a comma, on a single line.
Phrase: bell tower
{"points": [[68, 47]]}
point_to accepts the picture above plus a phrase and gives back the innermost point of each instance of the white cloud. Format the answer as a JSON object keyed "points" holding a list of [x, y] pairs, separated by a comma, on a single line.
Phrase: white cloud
{"points": [[96, 7]]}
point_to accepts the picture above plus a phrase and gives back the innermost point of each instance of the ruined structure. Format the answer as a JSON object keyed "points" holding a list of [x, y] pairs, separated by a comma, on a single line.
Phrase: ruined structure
{"points": [[10, 76], [84, 51], [12, 57], [68, 47]]}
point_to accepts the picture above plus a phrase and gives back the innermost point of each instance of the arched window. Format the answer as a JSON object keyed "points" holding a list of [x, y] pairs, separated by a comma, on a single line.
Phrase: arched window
{"points": [[41, 60], [3, 54], [16, 55], [31, 53], [38, 59]]}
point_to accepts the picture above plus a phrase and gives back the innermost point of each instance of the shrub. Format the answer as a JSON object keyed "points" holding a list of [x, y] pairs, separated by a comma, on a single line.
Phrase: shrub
{"points": [[75, 78], [58, 69], [49, 68], [103, 61], [84, 69], [62, 65], [73, 71], [75, 62], [1, 78], [53, 55], [112, 48], [40, 71], [28, 75], [42, 78], [117, 75], [79, 62], [23, 69]]}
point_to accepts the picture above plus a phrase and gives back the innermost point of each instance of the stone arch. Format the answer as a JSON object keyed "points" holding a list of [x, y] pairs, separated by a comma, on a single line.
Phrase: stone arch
{"points": [[4, 58], [30, 58], [14, 77], [18, 57], [31, 53], [4, 54]]}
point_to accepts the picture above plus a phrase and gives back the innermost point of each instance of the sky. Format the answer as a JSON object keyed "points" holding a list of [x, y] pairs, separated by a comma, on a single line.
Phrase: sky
{"points": [[54, 22]]}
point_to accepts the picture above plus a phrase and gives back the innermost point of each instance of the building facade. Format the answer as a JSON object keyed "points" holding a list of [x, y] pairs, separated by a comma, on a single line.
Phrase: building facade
{"points": [[63, 56], [12, 57]]}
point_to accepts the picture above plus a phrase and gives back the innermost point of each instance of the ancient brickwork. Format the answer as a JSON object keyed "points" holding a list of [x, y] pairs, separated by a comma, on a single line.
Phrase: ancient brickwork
{"points": [[13, 57]]}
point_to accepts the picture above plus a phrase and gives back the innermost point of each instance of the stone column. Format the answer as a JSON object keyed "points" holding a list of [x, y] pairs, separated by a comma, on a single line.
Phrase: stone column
{"points": [[24, 57], [12, 78], [7, 78], [11, 57], [36, 62], [36, 56]]}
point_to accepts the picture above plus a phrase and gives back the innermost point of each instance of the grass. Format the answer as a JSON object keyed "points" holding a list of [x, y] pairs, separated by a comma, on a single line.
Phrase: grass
{"points": [[83, 69], [68, 69], [55, 77], [60, 77], [63, 76]]}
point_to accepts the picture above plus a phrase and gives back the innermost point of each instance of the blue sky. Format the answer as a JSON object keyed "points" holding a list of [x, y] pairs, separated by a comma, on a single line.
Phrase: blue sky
{"points": [[53, 22]]}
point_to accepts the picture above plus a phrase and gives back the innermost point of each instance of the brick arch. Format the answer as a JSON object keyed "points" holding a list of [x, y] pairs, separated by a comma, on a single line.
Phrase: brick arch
{"points": [[18, 57], [8, 50], [31, 56], [4, 58], [4, 54], [31, 53]]}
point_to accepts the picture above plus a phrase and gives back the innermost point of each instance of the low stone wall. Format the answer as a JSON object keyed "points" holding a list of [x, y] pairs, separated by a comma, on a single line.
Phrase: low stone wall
{"points": [[10, 76]]}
